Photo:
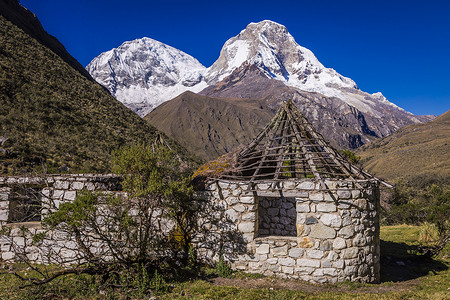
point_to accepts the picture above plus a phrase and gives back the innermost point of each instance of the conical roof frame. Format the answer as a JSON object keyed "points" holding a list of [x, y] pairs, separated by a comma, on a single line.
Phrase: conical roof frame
{"points": [[290, 148]]}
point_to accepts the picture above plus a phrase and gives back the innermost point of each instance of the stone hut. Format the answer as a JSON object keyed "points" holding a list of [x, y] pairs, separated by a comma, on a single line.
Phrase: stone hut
{"points": [[299, 208]]}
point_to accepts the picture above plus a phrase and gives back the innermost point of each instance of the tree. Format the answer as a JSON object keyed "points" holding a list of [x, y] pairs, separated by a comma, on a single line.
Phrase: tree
{"points": [[147, 227]]}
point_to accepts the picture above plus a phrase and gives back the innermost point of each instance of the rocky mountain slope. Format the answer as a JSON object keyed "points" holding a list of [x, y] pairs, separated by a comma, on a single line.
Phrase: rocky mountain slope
{"points": [[144, 73], [418, 154], [210, 127], [53, 117]]}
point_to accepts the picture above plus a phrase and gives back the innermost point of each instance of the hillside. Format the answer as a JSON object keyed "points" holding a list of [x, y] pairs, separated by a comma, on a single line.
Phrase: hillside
{"points": [[419, 154], [29, 23], [210, 127], [52, 115]]}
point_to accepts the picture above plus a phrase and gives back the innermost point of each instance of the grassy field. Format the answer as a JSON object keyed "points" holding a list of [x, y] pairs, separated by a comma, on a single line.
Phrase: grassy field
{"points": [[406, 274]]}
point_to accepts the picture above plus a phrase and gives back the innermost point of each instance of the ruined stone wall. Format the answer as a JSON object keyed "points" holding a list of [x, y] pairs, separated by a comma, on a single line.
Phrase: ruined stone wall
{"points": [[337, 231], [52, 190]]}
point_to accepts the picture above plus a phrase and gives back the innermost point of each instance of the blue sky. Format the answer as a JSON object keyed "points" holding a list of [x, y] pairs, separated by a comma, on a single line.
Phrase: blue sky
{"points": [[400, 48]]}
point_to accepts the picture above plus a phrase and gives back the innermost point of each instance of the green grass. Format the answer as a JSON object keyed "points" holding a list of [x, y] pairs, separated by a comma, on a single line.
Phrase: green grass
{"points": [[419, 279]]}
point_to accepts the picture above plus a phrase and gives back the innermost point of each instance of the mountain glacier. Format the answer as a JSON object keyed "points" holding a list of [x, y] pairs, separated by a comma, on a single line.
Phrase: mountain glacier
{"points": [[144, 73]]}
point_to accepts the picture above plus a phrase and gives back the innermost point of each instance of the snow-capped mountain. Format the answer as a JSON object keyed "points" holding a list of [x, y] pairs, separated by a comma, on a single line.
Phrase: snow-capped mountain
{"points": [[144, 73], [269, 46]]}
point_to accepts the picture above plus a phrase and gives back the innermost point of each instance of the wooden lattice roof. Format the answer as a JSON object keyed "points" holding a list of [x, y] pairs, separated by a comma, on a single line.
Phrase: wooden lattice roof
{"points": [[289, 148]]}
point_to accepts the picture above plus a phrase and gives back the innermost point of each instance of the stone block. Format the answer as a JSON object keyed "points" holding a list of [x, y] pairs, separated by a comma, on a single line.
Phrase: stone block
{"points": [[339, 243], [19, 241], [326, 245], [344, 194], [332, 256], [272, 261], [77, 185], [250, 216], [61, 185], [306, 185], [311, 220], [231, 200], [359, 240], [3, 215], [339, 264], [316, 196], [349, 253], [246, 227], [231, 215], [302, 262], [304, 270], [8, 255], [331, 220], [247, 199], [362, 204], [289, 262], [296, 252], [329, 197], [321, 231], [280, 251], [350, 270], [239, 208], [330, 271], [70, 195], [226, 193], [326, 264], [320, 279], [305, 242], [317, 272], [263, 249], [314, 253], [287, 270], [326, 207], [356, 194], [262, 186], [347, 231], [273, 211], [302, 207], [301, 195], [58, 194], [274, 268], [223, 185]]}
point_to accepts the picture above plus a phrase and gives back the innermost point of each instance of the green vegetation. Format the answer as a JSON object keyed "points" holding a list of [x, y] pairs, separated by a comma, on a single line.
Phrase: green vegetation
{"points": [[429, 207], [54, 119], [126, 241], [419, 278], [350, 156]]}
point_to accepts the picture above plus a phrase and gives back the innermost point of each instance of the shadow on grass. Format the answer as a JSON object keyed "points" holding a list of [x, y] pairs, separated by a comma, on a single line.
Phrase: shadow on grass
{"points": [[401, 262]]}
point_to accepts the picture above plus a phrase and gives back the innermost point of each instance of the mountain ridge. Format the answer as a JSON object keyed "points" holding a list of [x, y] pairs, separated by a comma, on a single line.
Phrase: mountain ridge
{"points": [[419, 152]]}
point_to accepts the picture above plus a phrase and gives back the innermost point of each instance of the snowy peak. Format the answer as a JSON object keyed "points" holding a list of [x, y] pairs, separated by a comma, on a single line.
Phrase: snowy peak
{"points": [[274, 50], [144, 72]]}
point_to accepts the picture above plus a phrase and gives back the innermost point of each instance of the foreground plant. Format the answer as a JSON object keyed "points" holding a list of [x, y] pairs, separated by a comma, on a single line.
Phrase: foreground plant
{"points": [[124, 239]]}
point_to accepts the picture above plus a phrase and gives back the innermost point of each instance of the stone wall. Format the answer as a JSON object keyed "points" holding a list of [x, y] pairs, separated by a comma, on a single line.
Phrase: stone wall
{"points": [[276, 216], [336, 236], [52, 190]]}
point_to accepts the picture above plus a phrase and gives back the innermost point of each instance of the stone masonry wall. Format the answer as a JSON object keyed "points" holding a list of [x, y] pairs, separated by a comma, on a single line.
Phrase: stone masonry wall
{"points": [[337, 231], [276, 216], [54, 190]]}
